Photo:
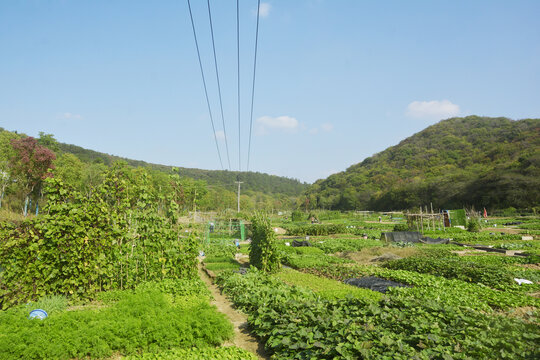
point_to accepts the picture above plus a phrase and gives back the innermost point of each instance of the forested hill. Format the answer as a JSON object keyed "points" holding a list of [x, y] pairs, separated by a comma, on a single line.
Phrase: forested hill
{"points": [[252, 181], [478, 161]]}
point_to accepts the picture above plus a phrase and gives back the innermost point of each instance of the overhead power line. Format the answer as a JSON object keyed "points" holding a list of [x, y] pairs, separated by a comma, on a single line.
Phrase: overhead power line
{"points": [[204, 83], [238, 70], [218, 84], [253, 84]]}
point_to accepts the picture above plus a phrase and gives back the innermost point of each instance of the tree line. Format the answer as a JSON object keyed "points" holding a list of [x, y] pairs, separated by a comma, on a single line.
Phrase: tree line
{"points": [[25, 163]]}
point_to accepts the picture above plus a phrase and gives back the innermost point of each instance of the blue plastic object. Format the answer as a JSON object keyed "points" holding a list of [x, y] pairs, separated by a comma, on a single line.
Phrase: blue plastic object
{"points": [[38, 314]]}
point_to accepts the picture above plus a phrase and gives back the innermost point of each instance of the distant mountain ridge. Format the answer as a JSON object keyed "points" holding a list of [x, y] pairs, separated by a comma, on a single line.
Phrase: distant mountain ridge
{"points": [[470, 161], [252, 181]]}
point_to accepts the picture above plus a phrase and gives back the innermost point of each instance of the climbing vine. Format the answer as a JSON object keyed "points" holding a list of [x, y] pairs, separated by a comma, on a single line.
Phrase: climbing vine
{"points": [[263, 252], [113, 239]]}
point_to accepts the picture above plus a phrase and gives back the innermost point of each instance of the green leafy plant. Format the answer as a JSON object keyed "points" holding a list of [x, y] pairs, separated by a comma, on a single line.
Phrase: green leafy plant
{"points": [[81, 245], [401, 227], [455, 268], [263, 251], [296, 323], [140, 321], [198, 353], [52, 304], [473, 225], [298, 216], [326, 288]]}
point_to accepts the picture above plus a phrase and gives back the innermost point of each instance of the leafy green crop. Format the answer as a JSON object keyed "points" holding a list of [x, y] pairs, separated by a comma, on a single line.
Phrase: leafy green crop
{"points": [[312, 260], [326, 288], [334, 245], [455, 268], [144, 320], [297, 324], [198, 353]]}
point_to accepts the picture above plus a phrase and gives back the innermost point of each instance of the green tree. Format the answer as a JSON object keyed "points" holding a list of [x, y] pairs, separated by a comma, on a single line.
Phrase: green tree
{"points": [[69, 169], [6, 153], [48, 141]]}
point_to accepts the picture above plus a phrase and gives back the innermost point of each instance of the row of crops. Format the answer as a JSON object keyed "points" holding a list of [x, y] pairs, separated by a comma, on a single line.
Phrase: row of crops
{"points": [[446, 307], [298, 323]]}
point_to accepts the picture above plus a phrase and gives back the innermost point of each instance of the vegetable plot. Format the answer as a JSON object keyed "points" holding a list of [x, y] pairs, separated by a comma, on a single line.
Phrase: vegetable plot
{"points": [[298, 324]]}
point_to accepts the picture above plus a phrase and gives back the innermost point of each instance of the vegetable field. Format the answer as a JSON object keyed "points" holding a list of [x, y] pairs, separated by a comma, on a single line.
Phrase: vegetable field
{"points": [[453, 302], [342, 293]]}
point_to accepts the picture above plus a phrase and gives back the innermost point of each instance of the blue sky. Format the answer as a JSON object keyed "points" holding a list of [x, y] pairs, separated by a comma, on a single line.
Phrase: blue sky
{"points": [[337, 81]]}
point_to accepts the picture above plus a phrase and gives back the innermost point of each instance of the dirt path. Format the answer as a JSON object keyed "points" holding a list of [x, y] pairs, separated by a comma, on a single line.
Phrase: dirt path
{"points": [[242, 337]]}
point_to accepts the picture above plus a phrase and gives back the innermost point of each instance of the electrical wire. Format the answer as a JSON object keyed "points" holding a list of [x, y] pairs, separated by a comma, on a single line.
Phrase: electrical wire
{"points": [[204, 83], [253, 84], [238, 70], [218, 84]]}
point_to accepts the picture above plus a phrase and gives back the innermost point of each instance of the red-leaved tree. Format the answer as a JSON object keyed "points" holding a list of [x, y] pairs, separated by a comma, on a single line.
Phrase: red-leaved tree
{"points": [[30, 165]]}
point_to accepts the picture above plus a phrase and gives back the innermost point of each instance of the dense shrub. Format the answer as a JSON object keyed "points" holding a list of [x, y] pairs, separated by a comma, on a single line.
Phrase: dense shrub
{"points": [[473, 225], [401, 227], [298, 216]]}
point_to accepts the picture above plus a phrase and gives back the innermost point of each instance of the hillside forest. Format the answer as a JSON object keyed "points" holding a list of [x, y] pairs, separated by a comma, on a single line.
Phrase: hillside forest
{"points": [[471, 161], [26, 163]]}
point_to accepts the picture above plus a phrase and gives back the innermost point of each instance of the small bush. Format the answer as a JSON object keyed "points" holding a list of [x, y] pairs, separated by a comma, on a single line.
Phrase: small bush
{"points": [[297, 216], [401, 227], [473, 225]]}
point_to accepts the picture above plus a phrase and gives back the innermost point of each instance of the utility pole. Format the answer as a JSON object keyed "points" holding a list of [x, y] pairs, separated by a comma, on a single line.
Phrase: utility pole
{"points": [[239, 182], [195, 206]]}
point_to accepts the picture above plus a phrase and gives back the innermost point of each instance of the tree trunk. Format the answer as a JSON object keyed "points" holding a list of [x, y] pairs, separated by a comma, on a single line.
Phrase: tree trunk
{"points": [[25, 212]]}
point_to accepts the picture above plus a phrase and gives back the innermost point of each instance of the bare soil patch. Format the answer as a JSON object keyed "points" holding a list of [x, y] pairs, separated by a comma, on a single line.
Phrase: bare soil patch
{"points": [[526, 313], [470, 252], [371, 255], [502, 230], [243, 259], [530, 266]]}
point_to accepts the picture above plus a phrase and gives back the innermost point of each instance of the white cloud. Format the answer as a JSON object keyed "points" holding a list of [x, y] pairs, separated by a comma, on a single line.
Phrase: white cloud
{"points": [[68, 115], [264, 9], [220, 135], [313, 131], [327, 127], [279, 123], [434, 109]]}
